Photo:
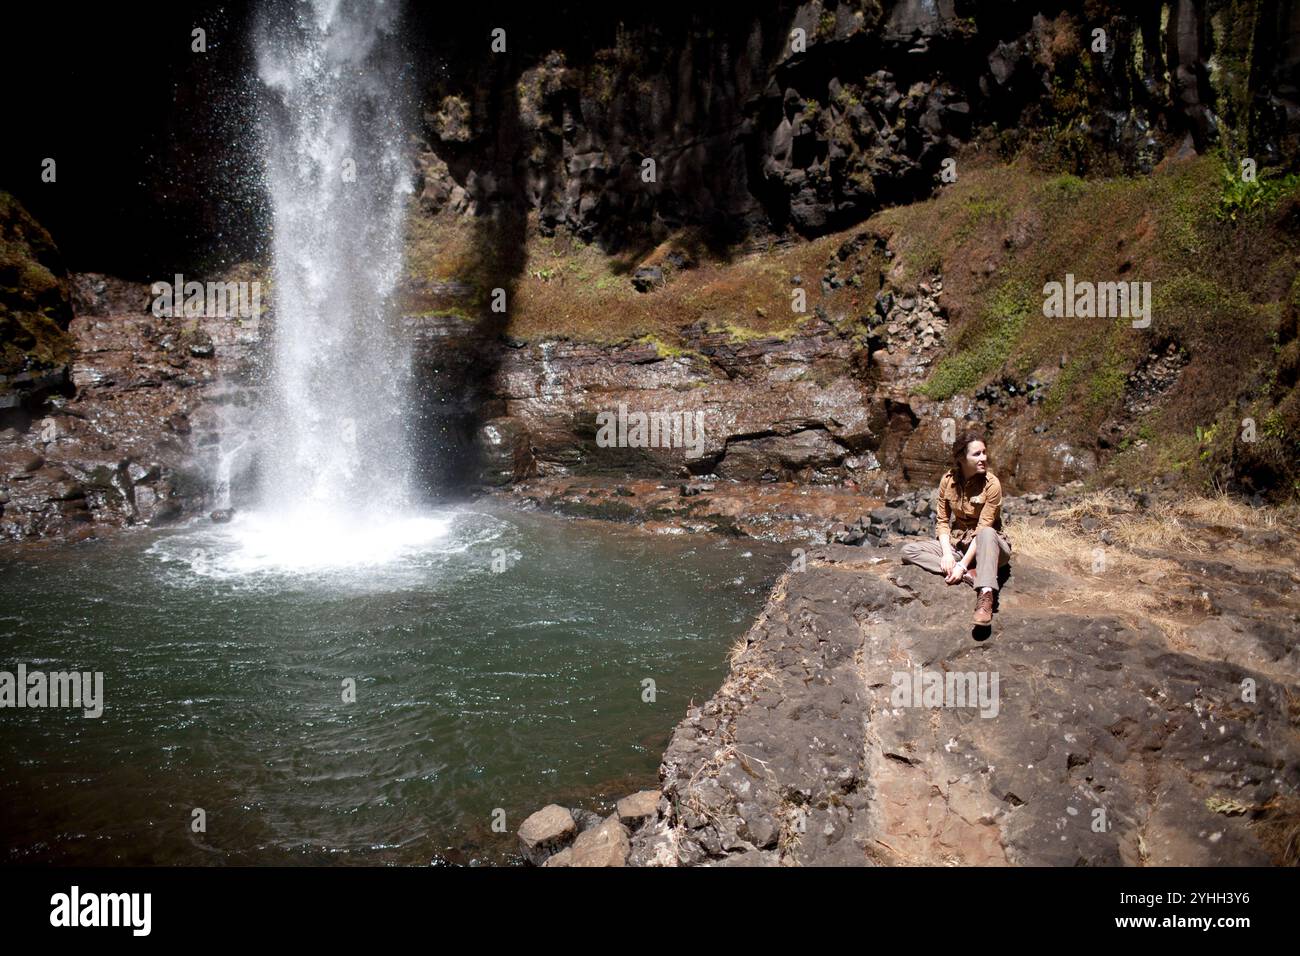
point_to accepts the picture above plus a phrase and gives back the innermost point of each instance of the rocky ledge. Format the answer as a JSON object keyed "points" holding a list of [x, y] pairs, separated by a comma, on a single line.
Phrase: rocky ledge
{"points": [[769, 511], [776, 511], [1143, 714], [146, 413]]}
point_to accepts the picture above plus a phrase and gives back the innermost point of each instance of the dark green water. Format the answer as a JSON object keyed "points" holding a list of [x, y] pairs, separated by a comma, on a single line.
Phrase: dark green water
{"points": [[475, 690]]}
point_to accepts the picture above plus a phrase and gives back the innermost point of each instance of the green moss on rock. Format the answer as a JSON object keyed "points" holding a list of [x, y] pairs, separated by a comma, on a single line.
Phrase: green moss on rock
{"points": [[35, 298]]}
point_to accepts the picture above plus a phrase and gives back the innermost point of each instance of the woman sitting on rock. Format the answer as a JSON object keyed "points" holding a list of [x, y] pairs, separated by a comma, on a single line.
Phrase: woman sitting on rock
{"points": [[969, 510]]}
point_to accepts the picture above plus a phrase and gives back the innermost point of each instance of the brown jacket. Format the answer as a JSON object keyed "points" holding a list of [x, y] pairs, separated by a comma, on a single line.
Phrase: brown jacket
{"points": [[965, 507]]}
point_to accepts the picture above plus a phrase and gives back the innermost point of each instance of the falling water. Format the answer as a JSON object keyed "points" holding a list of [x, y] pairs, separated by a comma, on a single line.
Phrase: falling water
{"points": [[336, 467]]}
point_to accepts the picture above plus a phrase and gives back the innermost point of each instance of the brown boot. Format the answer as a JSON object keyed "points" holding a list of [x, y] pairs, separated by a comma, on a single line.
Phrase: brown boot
{"points": [[984, 608]]}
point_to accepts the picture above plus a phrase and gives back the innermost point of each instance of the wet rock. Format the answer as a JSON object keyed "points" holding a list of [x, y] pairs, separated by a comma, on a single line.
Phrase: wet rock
{"points": [[166, 511], [505, 451]]}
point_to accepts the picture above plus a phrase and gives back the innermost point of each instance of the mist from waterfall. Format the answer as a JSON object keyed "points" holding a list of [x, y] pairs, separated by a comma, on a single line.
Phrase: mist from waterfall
{"points": [[335, 466]]}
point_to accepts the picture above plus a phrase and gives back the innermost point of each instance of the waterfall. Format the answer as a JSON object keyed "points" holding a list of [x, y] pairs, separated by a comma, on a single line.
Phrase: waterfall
{"points": [[336, 171], [334, 463]]}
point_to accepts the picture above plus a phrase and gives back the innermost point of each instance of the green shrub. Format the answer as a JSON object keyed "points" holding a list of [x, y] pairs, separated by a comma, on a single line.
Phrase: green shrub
{"points": [[1241, 199]]}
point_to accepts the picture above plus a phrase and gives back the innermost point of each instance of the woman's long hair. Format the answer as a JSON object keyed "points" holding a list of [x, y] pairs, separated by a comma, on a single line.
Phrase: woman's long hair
{"points": [[959, 451]]}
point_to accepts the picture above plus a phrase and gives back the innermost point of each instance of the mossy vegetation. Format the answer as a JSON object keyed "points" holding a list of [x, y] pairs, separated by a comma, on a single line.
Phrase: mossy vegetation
{"points": [[566, 288], [1221, 289], [985, 345], [34, 295]]}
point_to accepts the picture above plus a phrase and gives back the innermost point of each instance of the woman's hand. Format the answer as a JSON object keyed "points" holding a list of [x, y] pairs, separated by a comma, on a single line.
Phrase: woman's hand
{"points": [[948, 560], [955, 573]]}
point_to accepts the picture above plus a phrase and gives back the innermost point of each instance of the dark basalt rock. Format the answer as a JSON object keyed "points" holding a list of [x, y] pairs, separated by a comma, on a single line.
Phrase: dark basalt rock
{"points": [[647, 279], [504, 452], [756, 137]]}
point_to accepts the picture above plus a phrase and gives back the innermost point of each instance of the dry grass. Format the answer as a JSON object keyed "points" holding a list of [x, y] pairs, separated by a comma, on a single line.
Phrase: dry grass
{"points": [[1177, 526], [1066, 549], [569, 289], [1099, 575], [738, 648], [794, 823], [710, 768], [1109, 575], [1278, 829], [1229, 511], [745, 675]]}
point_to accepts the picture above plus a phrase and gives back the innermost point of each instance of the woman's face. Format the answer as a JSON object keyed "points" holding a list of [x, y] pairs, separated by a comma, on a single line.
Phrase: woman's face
{"points": [[976, 460]]}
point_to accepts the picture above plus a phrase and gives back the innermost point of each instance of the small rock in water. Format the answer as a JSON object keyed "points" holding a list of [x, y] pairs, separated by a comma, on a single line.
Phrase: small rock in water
{"points": [[222, 515]]}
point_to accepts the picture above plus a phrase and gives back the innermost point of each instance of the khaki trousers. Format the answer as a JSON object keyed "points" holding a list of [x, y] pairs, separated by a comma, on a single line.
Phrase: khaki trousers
{"points": [[929, 555]]}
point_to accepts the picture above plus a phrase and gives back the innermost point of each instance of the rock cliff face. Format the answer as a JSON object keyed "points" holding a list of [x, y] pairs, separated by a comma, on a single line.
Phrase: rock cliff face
{"points": [[798, 120], [135, 436], [831, 399], [35, 309], [814, 115], [725, 137]]}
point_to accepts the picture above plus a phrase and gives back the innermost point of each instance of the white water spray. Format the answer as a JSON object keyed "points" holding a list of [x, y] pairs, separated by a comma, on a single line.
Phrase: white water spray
{"points": [[335, 462]]}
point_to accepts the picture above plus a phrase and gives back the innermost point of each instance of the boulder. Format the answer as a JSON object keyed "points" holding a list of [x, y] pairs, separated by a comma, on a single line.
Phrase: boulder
{"points": [[505, 451], [647, 278], [606, 845], [546, 832], [636, 809], [781, 457], [563, 858]]}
